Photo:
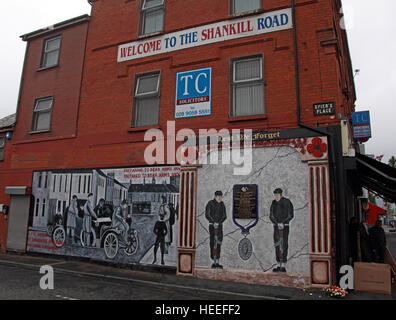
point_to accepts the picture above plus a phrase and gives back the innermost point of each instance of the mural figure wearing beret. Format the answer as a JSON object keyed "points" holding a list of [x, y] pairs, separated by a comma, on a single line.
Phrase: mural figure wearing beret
{"points": [[281, 213], [215, 213]]}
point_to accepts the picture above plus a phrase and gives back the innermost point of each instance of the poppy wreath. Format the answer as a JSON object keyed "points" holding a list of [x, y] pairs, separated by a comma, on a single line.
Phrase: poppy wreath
{"points": [[317, 147]]}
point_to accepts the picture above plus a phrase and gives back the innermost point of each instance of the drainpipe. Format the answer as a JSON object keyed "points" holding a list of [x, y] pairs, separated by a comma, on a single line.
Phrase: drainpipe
{"points": [[334, 193]]}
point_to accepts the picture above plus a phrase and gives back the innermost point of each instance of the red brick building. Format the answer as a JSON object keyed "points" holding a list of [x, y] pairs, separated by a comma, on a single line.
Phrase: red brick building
{"points": [[47, 107], [92, 87]]}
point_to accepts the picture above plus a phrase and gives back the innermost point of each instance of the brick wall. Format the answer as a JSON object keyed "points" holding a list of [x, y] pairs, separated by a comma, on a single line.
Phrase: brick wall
{"points": [[102, 119]]}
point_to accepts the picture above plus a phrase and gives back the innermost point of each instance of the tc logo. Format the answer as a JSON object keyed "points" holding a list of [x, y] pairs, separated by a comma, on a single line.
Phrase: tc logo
{"points": [[196, 83], [47, 280], [347, 280]]}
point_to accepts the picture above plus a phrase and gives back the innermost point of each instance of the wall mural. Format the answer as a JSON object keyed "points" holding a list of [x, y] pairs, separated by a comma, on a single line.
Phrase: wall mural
{"points": [[257, 222], [125, 215]]}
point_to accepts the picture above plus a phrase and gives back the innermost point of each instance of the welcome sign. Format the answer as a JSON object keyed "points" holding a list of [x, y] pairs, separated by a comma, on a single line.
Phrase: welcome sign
{"points": [[207, 34]]}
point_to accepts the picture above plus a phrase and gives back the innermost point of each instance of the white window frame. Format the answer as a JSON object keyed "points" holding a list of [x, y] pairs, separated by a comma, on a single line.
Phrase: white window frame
{"points": [[37, 112], [145, 95], [253, 81], [144, 10], [247, 60], [232, 6], [150, 93], [45, 52]]}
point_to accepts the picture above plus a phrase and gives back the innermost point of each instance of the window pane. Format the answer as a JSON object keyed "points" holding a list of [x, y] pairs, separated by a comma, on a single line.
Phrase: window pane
{"points": [[148, 84], [43, 105], [152, 3], [51, 59], [246, 5], [53, 44], [147, 112], [1, 154], [42, 121], [2, 142], [249, 100], [247, 70], [153, 21]]}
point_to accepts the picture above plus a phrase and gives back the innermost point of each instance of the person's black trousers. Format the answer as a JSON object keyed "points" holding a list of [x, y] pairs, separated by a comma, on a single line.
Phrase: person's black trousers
{"points": [[281, 241], [213, 234]]}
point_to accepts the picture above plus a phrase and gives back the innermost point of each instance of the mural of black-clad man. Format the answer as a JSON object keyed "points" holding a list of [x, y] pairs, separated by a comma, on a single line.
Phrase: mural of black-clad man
{"points": [[215, 213], [281, 213]]}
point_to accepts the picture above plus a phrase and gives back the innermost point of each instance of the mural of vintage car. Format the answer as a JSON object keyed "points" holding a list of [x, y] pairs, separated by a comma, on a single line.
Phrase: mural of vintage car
{"points": [[112, 239], [59, 236], [58, 232]]}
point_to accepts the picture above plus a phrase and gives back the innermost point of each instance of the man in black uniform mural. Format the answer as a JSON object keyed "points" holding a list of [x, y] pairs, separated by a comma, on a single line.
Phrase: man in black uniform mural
{"points": [[281, 213], [215, 213], [160, 230]]}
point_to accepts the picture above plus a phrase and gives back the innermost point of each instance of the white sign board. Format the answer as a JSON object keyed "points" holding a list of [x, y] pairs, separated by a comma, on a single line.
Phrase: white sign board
{"points": [[207, 34]]}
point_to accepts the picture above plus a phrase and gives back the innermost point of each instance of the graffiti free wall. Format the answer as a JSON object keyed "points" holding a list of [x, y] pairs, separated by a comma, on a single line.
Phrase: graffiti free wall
{"points": [[126, 215], [255, 233]]}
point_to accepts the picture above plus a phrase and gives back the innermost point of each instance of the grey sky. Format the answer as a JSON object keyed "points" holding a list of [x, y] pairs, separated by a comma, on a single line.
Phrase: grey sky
{"points": [[371, 33]]}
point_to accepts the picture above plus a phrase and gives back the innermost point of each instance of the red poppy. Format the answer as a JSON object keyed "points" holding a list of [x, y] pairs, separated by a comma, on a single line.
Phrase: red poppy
{"points": [[317, 147]]}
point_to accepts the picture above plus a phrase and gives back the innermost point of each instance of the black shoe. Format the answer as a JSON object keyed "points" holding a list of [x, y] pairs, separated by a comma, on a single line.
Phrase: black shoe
{"points": [[283, 270], [219, 266], [214, 266], [277, 269]]}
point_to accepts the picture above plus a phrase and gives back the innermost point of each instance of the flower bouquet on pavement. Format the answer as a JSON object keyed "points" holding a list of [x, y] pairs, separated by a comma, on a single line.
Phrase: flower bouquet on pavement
{"points": [[336, 292]]}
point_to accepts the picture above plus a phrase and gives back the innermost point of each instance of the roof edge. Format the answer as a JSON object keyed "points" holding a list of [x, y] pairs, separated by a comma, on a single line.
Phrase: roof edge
{"points": [[56, 27]]}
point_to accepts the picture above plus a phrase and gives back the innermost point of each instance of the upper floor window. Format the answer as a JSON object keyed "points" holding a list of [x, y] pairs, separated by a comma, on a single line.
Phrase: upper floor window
{"points": [[50, 55], [2, 145], [248, 87], [147, 97], [42, 114], [152, 16], [240, 6]]}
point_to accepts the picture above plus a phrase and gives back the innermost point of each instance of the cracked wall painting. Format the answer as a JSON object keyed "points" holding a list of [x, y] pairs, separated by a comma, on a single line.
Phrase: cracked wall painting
{"points": [[258, 235], [125, 215]]}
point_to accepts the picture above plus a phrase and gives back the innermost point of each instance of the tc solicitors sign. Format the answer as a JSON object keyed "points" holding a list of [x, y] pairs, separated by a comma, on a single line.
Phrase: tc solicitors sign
{"points": [[207, 34], [361, 125], [193, 93]]}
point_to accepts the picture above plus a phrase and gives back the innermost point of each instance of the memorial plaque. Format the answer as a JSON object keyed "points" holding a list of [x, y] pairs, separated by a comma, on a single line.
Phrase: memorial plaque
{"points": [[245, 202]]}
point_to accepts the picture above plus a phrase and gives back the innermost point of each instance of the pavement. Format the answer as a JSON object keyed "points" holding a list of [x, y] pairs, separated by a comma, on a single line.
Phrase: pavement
{"points": [[86, 280]]}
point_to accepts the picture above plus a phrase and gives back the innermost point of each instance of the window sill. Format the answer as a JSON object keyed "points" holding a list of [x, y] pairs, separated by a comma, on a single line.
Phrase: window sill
{"points": [[245, 13], [37, 132], [248, 118], [47, 68], [150, 35], [140, 129]]}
